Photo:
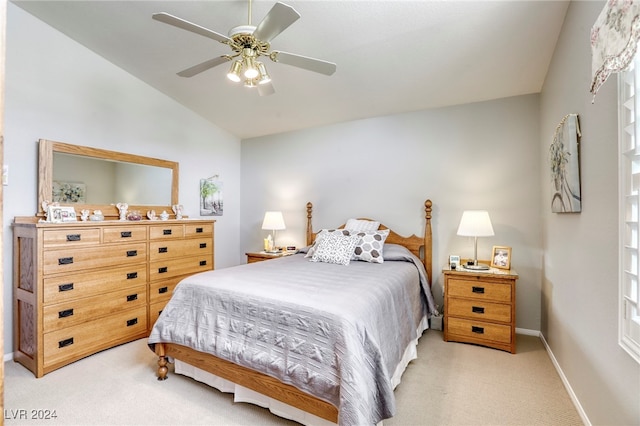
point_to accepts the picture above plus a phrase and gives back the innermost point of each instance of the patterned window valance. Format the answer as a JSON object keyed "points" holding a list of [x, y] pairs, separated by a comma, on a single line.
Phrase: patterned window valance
{"points": [[614, 39]]}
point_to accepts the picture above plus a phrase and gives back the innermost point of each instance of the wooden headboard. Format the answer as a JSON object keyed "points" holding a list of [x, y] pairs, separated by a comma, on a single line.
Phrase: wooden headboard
{"points": [[421, 247]]}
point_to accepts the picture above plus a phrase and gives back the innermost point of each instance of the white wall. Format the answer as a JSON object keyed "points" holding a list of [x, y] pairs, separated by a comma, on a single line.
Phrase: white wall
{"points": [[56, 89], [477, 156], [580, 279]]}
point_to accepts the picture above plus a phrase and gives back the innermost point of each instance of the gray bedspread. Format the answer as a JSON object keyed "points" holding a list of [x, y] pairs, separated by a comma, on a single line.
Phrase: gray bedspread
{"points": [[336, 332]]}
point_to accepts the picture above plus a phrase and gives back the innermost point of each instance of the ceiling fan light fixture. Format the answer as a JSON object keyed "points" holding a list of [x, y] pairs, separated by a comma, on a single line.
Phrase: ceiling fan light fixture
{"points": [[250, 70], [234, 72], [264, 75]]}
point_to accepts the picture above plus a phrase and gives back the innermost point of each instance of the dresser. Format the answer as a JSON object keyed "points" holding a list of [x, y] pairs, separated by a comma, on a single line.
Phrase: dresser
{"points": [[83, 287], [480, 307]]}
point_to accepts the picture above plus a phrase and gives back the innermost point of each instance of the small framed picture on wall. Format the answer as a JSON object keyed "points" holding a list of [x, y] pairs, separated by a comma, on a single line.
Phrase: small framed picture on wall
{"points": [[501, 257]]}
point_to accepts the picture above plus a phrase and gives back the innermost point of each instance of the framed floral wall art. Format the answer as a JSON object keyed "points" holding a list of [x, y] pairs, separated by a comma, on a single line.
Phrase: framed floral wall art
{"points": [[564, 162], [69, 192]]}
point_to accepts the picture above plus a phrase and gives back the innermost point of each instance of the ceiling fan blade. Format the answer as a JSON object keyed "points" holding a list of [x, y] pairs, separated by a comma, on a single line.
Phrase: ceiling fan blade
{"points": [[279, 18], [266, 89], [311, 64], [189, 26], [197, 69]]}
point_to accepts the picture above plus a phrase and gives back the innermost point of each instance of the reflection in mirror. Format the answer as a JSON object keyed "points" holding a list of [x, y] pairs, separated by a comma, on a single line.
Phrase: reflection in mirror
{"points": [[99, 181]]}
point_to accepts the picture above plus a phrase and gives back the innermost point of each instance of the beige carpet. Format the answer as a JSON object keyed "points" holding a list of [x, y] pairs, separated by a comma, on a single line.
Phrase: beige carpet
{"points": [[449, 384]]}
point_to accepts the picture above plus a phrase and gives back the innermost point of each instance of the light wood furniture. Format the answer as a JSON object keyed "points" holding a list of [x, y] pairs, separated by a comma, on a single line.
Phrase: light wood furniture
{"points": [[47, 149], [266, 385], [480, 307], [260, 256], [82, 287]]}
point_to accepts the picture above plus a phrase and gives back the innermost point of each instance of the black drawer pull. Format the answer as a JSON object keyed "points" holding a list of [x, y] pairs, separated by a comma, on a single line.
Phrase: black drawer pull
{"points": [[477, 309], [203, 263], [132, 253], [125, 234], [479, 290], [73, 237], [162, 270], [132, 322], [166, 232], [203, 245], [132, 275], [132, 297], [65, 261], [478, 330], [65, 313], [163, 249], [163, 290], [65, 287], [65, 342], [199, 230]]}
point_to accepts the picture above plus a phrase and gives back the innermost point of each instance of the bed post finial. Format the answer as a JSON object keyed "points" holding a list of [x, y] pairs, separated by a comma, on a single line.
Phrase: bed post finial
{"points": [[309, 227], [428, 249]]}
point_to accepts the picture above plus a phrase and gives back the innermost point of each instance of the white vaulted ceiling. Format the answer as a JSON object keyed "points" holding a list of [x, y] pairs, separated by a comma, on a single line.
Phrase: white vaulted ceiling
{"points": [[391, 56]]}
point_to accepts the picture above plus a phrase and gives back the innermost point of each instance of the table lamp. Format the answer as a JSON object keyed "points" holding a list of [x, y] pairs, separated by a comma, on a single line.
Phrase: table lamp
{"points": [[275, 222], [475, 223]]}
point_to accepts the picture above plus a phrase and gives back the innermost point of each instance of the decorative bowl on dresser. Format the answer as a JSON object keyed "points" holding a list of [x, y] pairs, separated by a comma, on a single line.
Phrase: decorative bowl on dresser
{"points": [[480, 307]]}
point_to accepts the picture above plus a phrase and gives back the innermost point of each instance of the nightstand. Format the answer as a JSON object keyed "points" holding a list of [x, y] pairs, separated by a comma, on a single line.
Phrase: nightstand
{"points": [[480, 307], [259, 256]]}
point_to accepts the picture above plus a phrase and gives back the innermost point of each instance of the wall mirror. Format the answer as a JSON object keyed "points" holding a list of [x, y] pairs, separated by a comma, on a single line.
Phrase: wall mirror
{"points": [[98, 179]]}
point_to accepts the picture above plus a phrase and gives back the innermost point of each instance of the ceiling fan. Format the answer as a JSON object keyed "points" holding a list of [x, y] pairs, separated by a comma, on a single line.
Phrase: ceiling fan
{"points": [[248, 43]]}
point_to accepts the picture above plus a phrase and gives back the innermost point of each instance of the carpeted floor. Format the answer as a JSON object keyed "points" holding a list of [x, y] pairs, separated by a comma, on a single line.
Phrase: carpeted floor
{"points": [[449, 384]]}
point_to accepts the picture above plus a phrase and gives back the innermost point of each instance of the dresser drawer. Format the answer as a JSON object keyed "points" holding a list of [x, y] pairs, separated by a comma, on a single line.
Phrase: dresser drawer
{"points": [[478, 330], [73, 286], [124, 234], [479, 309], [481, 290], [71, 237], [159, 250], [78, 311], [161, 270], [162, 290], [69, 260], [163, 232], [155, 309], [198, 229], [72, 343]]}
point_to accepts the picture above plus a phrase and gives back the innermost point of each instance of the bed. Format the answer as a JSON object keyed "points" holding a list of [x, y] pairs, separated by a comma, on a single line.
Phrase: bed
{"points": [[312, 336]]}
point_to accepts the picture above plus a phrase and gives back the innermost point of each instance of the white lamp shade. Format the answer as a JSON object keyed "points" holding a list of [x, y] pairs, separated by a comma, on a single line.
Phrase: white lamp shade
{"points": [[273, 221], [475, 223]]}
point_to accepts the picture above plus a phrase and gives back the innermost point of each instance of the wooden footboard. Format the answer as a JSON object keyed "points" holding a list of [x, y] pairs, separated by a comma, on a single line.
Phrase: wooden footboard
{"points": [[246, 377]]}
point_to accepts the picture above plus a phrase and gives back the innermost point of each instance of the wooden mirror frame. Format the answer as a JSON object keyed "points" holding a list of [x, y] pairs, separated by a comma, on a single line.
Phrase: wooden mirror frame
{"points": [[46, 149]]}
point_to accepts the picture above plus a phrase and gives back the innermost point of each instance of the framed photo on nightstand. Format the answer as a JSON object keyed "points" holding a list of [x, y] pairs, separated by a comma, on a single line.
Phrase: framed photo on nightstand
{"points": [[501, 257]]}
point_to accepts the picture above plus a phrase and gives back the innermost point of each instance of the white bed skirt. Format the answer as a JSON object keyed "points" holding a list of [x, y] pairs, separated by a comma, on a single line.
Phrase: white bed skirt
{"points": [[242, 394]]}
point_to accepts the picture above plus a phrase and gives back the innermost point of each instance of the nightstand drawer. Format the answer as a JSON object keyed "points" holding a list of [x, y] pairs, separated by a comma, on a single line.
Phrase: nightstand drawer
{"points": [[476, 289], [482, 331], [480, 310]]}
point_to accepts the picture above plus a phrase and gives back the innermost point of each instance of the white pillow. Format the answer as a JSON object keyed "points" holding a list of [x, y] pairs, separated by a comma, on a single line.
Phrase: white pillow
{"points": [[361, 225], [370, 246], [320, 235], [335, 248]]}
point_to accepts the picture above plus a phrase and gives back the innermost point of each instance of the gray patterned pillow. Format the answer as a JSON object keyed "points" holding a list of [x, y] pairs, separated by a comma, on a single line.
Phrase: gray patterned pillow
{"points": [[321, 234], [369, 248], [335, 248]]}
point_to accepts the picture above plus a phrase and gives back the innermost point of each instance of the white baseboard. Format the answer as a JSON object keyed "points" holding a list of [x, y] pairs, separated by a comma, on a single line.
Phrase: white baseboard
{"points": [[8, 357], [566, 383]]}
